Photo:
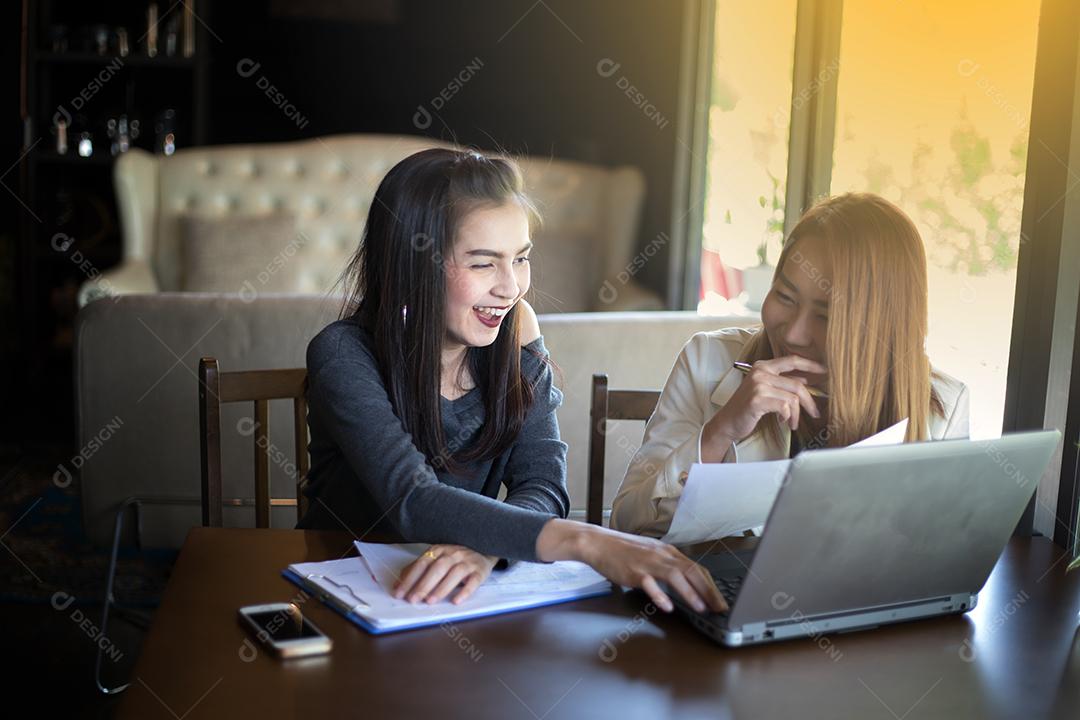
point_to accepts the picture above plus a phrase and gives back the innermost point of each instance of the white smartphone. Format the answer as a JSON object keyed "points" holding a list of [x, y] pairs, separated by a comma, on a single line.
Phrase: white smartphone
{"points": [[283, 628]]}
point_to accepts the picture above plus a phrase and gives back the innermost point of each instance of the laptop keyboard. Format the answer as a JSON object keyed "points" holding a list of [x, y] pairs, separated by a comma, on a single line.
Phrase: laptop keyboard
{"points": [[729, 587]]}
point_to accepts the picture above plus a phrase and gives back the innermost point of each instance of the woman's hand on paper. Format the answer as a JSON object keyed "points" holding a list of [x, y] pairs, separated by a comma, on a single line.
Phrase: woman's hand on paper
{"points": [[765, 389], [436, 573]]}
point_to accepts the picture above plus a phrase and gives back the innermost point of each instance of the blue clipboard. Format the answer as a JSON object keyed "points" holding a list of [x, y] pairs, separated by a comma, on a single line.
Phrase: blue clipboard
{"points": [[350, 614]]}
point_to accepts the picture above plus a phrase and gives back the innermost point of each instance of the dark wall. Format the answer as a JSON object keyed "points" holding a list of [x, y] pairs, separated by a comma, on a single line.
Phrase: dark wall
{"points": [[538, 90], [535, 88], [10, 148], [527, 82]]}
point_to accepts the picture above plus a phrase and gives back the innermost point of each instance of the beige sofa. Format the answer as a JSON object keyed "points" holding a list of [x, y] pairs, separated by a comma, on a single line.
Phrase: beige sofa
{"points": [[583, 260], [137, 403], [137, 352]]}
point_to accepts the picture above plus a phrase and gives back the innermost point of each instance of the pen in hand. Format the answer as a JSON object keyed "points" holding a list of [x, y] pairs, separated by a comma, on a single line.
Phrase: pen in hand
{"points": [[745, 367]]}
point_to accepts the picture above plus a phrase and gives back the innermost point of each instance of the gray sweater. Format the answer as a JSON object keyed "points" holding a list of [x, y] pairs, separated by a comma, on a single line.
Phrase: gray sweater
{"points": [[367, 475]]}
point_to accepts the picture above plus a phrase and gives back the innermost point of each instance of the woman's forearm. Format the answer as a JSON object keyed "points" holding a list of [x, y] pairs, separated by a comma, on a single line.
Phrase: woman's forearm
{"points": [[563, 540], [715, 447], [570, 540], [716, 442]]}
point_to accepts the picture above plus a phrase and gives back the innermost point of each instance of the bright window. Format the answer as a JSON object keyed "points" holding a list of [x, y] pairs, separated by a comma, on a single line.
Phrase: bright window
{"points": [[747, 152], [933, 107]]}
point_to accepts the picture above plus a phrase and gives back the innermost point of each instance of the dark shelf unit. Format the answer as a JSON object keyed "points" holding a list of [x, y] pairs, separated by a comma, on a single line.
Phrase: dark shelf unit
{"points": [[87, 58], [70, 227]]}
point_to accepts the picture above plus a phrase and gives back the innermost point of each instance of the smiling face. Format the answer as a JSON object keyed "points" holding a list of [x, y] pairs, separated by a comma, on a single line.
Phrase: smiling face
{"points": [[796, 310], [487, 273]]}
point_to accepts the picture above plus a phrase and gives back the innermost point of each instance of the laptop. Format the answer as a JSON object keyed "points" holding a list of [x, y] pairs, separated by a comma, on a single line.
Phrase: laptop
{"points": [[866, 536]]}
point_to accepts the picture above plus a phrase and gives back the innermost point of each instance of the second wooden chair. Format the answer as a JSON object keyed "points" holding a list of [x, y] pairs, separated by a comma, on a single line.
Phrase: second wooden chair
{"points": [[610, 405]]}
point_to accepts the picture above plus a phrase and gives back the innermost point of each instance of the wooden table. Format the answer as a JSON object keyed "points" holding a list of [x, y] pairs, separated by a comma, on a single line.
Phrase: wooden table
{"points": [[1017, 655]]}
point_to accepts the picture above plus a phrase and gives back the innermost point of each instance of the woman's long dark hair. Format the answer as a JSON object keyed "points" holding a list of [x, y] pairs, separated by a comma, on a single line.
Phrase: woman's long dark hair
{"points": [[395, 284]]}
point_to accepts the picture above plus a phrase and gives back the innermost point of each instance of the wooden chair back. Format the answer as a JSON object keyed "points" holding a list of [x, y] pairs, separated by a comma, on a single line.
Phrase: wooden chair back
{"points": [[610, 405], [217, 388]]}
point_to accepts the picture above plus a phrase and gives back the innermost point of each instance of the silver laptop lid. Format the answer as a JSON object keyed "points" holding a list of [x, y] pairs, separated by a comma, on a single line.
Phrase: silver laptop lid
{"points": [[857, 528]]}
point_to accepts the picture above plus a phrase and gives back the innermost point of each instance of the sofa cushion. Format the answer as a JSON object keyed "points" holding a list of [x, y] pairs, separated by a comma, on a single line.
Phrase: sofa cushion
{"points": [[246, 254]]}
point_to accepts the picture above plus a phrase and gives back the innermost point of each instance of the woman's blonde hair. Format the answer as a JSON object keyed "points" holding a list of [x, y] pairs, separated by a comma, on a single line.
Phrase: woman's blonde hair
{"points": [[879, 373]]}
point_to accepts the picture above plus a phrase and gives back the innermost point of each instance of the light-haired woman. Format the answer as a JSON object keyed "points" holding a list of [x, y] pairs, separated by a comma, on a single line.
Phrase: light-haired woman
{"points": [[839, 356]]}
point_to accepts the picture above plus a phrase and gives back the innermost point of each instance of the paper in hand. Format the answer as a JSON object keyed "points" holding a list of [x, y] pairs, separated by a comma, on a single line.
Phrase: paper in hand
{"points": [[725, 499]]}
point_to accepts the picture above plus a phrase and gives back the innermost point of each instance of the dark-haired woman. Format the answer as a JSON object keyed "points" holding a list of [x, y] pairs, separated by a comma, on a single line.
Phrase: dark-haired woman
{"points": [[434, 391]]}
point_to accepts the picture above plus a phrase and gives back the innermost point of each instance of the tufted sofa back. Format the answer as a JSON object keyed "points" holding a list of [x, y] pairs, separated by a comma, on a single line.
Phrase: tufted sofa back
{"points": [[588, 235]]}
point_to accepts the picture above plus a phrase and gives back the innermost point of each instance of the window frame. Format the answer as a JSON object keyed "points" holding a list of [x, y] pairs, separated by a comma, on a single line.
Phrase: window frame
{"points": [[1042, 351]]}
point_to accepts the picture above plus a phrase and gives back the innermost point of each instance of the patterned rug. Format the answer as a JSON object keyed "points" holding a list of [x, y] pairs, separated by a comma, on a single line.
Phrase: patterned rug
{"points": [[43, 550]]}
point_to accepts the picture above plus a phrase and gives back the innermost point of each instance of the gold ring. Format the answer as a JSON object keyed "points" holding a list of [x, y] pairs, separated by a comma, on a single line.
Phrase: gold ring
{"points": [[429, 554]]}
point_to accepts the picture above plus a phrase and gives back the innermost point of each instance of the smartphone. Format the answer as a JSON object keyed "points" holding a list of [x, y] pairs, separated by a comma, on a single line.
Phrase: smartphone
{"points": [[283, 628]]}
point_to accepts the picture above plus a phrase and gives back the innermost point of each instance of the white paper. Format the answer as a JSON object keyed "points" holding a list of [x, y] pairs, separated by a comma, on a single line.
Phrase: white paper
{"points": [[387, 561], [725, 499], [362, 584], [892, 435]]}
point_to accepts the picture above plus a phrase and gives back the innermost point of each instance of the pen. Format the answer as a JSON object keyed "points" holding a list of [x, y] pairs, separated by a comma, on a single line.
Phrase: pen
{"points": [[745, 367]]}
